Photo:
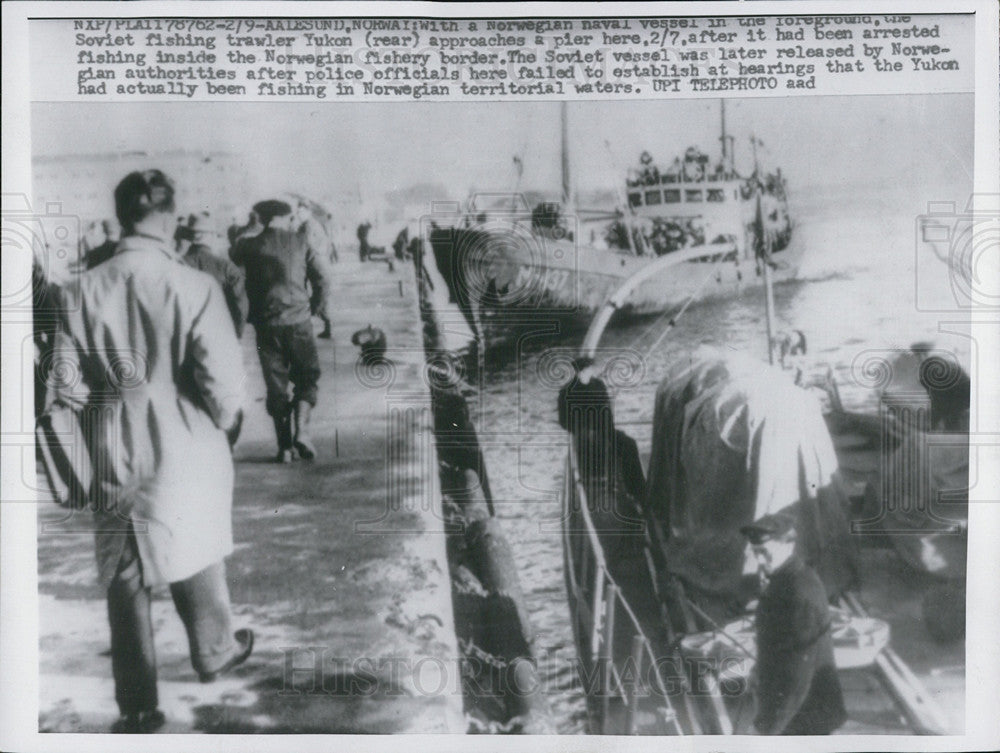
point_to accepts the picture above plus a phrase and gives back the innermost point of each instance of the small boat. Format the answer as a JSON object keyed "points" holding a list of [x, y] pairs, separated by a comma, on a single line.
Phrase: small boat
{"points": [[508, 264]]}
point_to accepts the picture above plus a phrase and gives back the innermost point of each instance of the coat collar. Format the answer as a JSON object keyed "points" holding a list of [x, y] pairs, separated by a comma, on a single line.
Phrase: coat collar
{"points": [[792, 565]]}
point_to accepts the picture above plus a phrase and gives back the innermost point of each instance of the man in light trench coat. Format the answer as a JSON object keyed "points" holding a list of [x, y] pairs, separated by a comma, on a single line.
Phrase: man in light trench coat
{"points": [[147, 346]]}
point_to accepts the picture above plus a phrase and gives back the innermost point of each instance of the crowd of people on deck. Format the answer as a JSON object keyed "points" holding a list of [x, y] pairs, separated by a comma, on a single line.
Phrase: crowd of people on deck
{"points": [[657, 236], [693, 168], [147, 329]]}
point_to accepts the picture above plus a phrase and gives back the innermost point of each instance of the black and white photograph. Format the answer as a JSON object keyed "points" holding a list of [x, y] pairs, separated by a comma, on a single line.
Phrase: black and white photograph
{"points": [[447, 372]]}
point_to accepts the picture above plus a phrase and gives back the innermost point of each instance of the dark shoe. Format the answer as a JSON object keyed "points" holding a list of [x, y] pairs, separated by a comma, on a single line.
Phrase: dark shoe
{"points": [[244, 638], [139, 723], [303, 442], [326, 334]]}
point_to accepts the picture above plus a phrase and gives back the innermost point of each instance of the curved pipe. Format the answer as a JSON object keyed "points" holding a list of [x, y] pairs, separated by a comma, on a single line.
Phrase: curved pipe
{"points": [[621, 295]]}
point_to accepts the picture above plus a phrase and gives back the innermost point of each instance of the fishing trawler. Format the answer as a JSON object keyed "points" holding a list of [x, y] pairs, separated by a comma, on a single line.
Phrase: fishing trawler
{"points": [[652, 582], [505, 261]]}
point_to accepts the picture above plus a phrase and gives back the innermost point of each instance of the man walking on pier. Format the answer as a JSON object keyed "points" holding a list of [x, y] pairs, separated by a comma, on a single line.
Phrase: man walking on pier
{"points": [[279, 263], [158, 389]]}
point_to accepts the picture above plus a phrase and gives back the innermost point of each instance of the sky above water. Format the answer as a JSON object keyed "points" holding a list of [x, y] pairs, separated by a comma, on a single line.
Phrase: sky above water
{"points": [[331, 147]]}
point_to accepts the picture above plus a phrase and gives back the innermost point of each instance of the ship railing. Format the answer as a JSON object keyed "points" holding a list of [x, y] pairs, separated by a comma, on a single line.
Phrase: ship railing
{"points": [[610, 612]]}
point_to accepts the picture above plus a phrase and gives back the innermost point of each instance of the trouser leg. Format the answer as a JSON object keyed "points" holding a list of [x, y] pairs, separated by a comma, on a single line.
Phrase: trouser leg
{"points": [[283, 431], [304, 371], [274, 366], [302, 438], [133, 653], [274, 357], [327, 332], [202, 601]]}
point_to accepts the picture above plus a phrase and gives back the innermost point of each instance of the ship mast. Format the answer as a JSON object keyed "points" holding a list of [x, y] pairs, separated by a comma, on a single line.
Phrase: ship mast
{"points": [[728, 149], [722, 137], [567, 186], [763, 251]]}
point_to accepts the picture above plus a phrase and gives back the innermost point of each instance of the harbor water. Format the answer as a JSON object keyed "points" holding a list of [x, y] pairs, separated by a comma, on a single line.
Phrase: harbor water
{"points": [[862, 293]]}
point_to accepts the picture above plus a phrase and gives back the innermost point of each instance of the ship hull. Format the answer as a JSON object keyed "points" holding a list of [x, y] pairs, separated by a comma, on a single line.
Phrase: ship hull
{"points": [[572, 283], [535, 280]]}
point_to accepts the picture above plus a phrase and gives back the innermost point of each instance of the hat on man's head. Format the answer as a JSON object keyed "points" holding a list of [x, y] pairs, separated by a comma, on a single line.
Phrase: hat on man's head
{"points": [[770, 526], [268, 210]]}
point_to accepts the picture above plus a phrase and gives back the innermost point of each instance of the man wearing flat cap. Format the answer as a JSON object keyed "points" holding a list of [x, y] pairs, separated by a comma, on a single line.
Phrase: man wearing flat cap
{"points": [[280, 265], [798, 689], [201, 232]]}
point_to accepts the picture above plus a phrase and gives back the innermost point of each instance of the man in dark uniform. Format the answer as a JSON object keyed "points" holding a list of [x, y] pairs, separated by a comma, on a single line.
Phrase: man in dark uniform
{"points": [[798, 689], [363, 249], [279, 264], [200, 256]]}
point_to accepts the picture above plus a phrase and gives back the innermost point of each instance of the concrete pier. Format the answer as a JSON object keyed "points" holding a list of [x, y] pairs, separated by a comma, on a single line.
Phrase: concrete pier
{"points": [[340, 565]]}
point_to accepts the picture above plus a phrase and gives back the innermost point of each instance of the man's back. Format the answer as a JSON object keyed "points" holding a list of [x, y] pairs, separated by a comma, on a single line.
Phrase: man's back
{"points": [[150, 343], [278, 264], [142, 285]]}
